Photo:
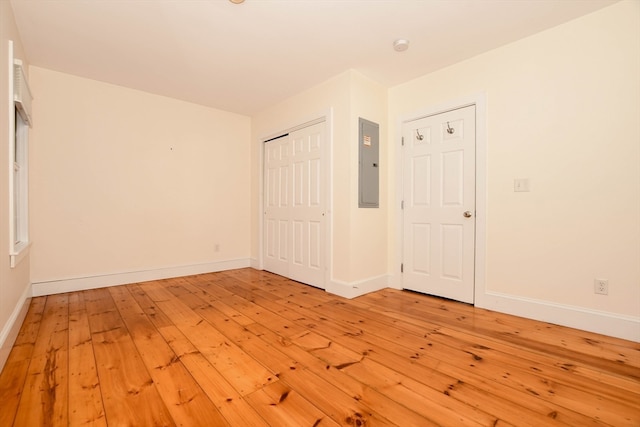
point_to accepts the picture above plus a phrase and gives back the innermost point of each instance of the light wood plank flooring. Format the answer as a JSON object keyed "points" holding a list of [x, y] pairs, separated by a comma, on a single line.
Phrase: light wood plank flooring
{"points": [[249, 348]]}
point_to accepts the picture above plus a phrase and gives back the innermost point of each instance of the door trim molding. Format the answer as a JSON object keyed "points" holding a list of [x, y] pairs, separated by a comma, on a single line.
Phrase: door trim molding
{"points": [[480, 102]]}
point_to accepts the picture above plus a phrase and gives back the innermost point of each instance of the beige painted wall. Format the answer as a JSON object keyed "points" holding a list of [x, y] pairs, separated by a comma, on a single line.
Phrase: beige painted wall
{"points": [[125, 181], [368, 232], [356, 253], [563, 111], [14, 282]]}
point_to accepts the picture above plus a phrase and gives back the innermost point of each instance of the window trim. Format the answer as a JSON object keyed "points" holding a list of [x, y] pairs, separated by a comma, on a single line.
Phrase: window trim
{"points": [[19, 242]]}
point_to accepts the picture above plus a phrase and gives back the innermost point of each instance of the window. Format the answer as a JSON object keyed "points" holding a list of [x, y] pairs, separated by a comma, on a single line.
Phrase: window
{"points": [[20, 229], [20, 120]]}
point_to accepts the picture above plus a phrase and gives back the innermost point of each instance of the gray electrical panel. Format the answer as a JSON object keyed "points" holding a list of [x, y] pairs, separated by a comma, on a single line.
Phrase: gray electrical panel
{"points": [[369, 167]]}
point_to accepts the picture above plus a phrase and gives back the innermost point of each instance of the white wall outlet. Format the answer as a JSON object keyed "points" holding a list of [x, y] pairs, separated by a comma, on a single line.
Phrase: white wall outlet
{"points": [[601, 286], [521, 185]]}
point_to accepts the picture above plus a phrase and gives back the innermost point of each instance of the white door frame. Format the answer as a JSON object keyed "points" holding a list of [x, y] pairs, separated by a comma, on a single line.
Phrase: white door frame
{"points": [[327, 118], [479, 100]]}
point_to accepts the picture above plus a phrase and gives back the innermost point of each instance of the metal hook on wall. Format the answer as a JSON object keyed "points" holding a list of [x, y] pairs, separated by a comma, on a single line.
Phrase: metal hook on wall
{"points": [[450, 130], [418, 136]]}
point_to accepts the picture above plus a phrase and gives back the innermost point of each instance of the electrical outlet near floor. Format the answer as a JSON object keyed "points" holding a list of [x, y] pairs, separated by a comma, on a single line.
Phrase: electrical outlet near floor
{"points": [[601, 286]]}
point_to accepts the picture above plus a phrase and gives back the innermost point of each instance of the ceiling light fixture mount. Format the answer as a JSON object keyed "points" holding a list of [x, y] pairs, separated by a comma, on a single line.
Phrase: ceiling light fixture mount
{"points": [[236, 1], [401, 45]]}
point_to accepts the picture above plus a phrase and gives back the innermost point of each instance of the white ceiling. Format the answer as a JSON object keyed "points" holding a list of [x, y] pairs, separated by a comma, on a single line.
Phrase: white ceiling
{"points": [[244, 58]]}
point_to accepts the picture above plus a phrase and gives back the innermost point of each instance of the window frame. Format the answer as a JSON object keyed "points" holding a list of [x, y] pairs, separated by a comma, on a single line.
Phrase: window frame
{"points": [[19, 242]]}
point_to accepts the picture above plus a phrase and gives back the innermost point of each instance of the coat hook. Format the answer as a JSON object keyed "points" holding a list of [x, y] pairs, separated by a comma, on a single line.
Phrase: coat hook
{"points": [[418, 136], [450, 130]]}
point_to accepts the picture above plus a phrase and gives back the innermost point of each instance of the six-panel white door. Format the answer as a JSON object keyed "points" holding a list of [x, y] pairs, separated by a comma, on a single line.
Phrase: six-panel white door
{"points": [[277, 155], [439, 204], [294, 206]]}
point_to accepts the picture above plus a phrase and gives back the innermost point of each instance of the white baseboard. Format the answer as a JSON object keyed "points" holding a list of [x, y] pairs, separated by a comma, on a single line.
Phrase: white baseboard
{"points": [[611, 324], [10, 330], [600, 322], [355, 289], [100, 281]]}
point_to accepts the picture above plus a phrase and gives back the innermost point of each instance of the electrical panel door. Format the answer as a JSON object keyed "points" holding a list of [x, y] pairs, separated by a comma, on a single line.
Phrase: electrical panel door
{"points": [[369, 166]]}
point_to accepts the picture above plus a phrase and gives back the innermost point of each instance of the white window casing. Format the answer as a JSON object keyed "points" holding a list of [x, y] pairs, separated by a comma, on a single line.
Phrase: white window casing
{"points": [[20, 119]]}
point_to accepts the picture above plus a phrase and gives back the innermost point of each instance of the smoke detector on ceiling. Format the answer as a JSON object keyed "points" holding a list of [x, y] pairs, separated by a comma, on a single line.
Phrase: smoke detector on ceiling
{"points": [[401, 45]]}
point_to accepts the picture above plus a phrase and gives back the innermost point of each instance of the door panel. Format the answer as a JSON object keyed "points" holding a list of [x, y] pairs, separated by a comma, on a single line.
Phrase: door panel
{"points": [[298, 242], [276, 205], [439, 187], [270, 229], [421, 177], [452, 247], [421, 248], [452, 178], [302, 226], [315, 246], [315, 171], [283, 240], [308, 209]]}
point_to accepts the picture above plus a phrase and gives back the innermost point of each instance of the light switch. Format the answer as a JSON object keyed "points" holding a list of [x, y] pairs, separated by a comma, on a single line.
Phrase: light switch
{"points": [[521, 185]]}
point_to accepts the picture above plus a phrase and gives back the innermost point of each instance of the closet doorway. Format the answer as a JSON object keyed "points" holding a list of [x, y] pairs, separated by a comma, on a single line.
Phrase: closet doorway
{"points": [[295, 221]]}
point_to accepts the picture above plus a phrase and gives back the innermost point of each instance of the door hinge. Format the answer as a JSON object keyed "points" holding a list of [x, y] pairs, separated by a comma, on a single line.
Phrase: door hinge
{"points": [[403, 140], [402, 268], [402, 204]]}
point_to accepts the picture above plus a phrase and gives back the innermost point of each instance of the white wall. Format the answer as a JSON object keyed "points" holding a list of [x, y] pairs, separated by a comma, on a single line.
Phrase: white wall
{"points": [[358, 256], [563, 111], [14, 282], [368, 232], [128, 186]]}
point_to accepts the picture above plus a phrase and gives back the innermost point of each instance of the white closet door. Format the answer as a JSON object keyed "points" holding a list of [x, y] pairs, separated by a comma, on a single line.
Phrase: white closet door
{"points": [[295, 237], [276, 199]]}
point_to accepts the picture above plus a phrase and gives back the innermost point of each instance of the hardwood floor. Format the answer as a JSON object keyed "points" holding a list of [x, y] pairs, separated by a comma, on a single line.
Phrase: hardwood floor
{"points": [[249, 348]]}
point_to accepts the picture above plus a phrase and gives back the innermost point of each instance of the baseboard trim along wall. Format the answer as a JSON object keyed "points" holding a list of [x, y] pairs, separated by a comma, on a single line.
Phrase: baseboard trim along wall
{"points": [[355, 289], [10, 330], [611, 324], [101, 281], [600, 322]]}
